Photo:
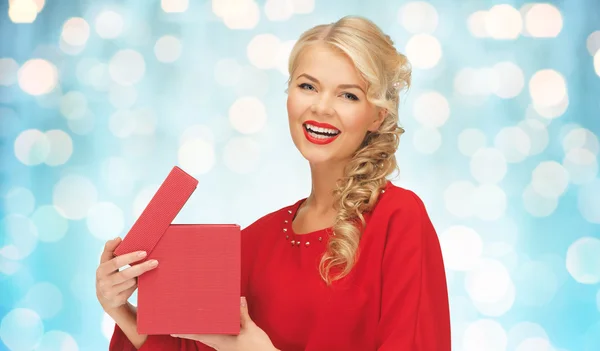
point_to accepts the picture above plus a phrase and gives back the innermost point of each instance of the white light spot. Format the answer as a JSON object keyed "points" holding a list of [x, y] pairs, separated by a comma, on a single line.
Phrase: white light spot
{"points": [[262, 51], [19, 237], [488, 165], [21, 329], [581, 164], [242, 155], [427, 140], [597, 63], [143, 198], [237, 14], [38, 77], [73, 105], [588, 201], [8, 71], [108, 324], [484, 334], [32, 147], [500, 307], [174, 6], [61, 147], [462, 247], [543, 21], [550, 179], [51, 226], [514, 143], [470, 141], [458, 198], [476, 82], [593, 42], [22, 11], [57, 341], [196, 156], [503, 22], [477, 24], [488, 281], [510, 80], [537, 134], [83, 125], [247, 115], [145, 121], [127, 67], [105, 220], [418, 17], [489, 202], [279, 10], [583, 261], [122, 97], [423, 51], [547, 88], [227, 72], [19, 200], [303, 7], [522, 331], [167, 49], [43, 298], [109, 24], [582, 138], [431, 109], [73, 196], [75, 31], [538, 205], [283, 55]]}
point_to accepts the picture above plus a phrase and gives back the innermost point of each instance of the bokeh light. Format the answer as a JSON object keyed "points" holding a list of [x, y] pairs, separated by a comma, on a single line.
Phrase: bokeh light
{"points": [[21, 329], [38, 77], [109, 24], [418, 17], [583, 261], [423, 51]]}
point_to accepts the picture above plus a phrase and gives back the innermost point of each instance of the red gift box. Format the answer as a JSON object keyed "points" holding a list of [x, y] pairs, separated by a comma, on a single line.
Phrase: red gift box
{"points": [[196, 287]]}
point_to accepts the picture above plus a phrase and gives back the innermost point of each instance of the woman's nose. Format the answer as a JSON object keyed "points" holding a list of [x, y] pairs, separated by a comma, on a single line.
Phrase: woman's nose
{"points": [[323, 106]]}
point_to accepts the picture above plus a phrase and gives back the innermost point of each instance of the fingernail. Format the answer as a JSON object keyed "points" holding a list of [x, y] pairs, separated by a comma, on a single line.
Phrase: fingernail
{"points": [[152, 263], [243, 301], [141, 254]]}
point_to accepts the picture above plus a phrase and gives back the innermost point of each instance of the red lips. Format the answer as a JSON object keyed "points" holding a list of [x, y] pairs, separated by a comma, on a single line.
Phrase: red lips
{"points": [[321, 125]]}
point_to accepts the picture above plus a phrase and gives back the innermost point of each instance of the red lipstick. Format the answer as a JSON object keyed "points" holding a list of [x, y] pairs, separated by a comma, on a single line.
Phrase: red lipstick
{"points": [[320, 141]]}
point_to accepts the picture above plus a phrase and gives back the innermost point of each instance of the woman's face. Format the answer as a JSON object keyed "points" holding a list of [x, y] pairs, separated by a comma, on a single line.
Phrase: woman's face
{"points": [[328, 111]]}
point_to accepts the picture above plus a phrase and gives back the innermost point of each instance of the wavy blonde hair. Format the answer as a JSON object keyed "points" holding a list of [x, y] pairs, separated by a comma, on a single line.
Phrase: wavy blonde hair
{"points": [[386, 72]]}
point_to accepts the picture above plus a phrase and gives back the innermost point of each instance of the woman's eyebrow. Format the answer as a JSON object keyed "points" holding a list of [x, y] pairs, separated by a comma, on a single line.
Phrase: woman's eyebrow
{"points": [[343, 86]]}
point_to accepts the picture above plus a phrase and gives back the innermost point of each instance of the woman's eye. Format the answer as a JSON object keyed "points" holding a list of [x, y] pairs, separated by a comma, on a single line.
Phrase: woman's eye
{"points": [[351, 96], [305, 85]]}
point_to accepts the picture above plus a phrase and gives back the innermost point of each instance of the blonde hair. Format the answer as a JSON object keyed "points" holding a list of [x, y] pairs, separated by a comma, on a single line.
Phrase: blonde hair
{"points": [[386, 72]]}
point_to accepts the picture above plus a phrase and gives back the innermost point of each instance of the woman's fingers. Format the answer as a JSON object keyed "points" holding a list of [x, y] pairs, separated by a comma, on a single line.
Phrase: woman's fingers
{"points": [[109, 249], [133, 272], [114, 264]]}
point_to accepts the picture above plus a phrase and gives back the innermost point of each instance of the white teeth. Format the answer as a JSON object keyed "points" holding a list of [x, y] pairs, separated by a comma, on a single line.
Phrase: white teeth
{"points": [[319, 136], [322, 130]]}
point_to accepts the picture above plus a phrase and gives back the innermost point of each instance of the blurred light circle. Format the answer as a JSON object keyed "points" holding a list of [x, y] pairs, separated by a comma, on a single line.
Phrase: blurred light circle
{"points": [[522, 331], [83, 125], [279, 10], [196, 156], [538, 205], [51, 226], [537, 133], [109, 24], [122, 97], [105, 220], [484, 334], [593, 42], [283, 55], [514, 144], [57, 341], [470, 140], [75, 31], [543, 21], [510, 80], [458, 198], [19, 200], [247, 115], [127, 67], [73, 105], [238, 14], [70, 49], [21, 329], [535, 344], [197, 131], [581, 138], [427, 140], [61, 147], [107, 325], [538, 283], [44, 298], [32, 147], [99, 77], [145, 121], [477, 24], [476, 82], [9, 69], [122, 123], [489, 202], [582, 165], [253, 81], [303, 7], [488, 165], [547, 88], [597, 62], [38, 77], [423, 51], [22, 11], [588, 201], [142, 199], [500, 307], [583, 261], [174, 6], [167, 49], [19, 237], [503, 22], [262, 50], [488, 281], [227, 72], [242, 155], [418, 17], [73, 196], [431, 109], [118, 175], [549, 179], [461, 247]]}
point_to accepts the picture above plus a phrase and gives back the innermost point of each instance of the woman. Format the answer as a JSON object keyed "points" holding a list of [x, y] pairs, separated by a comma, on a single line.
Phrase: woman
{"points": [[357, 264]]}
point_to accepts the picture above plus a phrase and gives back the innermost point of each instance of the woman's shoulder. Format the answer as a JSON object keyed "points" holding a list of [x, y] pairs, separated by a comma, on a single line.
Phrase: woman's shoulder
{"points": [[269, 220], [396, 199]]}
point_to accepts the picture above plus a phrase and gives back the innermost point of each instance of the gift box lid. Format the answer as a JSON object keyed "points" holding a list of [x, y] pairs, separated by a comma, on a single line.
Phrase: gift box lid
{"points": [[159, 214]]}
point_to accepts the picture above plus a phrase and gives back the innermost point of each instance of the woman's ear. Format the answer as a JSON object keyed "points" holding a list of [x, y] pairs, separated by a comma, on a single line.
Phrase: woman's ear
{"points": [[380, 117]]}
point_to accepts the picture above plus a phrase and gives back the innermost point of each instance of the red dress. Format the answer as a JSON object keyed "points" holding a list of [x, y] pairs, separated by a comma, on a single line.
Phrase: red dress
{"points": [[395, 298]]}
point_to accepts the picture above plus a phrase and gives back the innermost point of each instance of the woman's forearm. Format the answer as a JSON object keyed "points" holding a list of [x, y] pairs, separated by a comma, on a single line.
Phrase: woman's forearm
{"points": [[126, 318]]}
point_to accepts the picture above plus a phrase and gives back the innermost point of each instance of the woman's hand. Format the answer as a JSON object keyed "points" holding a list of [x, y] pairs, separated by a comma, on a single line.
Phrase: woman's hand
{"points": [[113, 288], [251, 337]]}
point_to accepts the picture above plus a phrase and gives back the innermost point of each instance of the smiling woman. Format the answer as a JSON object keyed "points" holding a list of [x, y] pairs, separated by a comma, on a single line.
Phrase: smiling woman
{"points": [[356, 265]]}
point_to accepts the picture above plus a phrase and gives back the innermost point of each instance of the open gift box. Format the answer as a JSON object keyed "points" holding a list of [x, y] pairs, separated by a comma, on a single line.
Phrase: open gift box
{"points": [[196, 287]]}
